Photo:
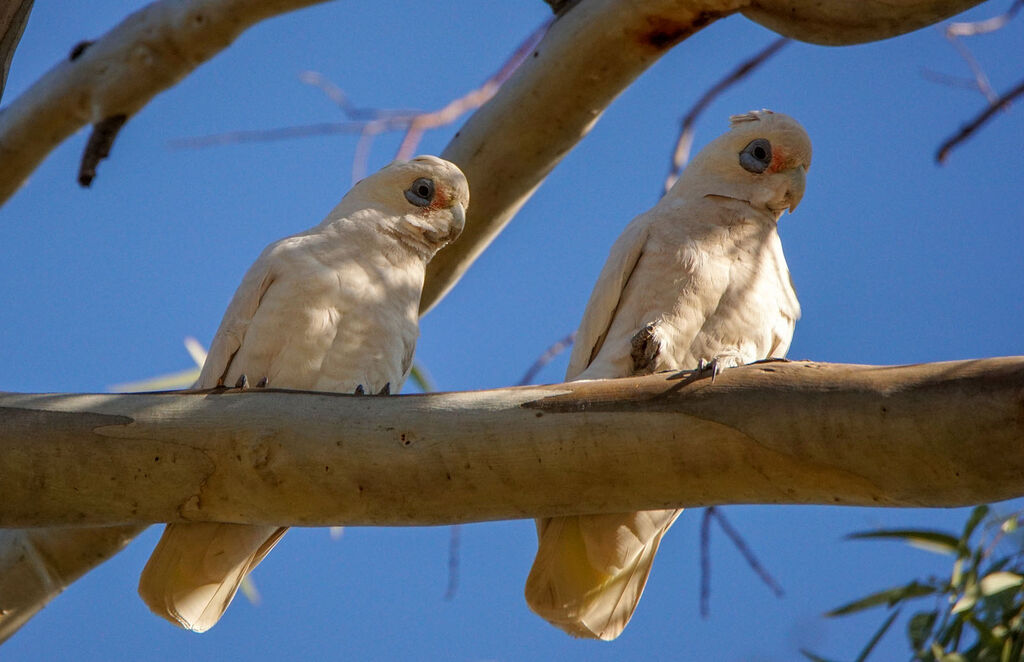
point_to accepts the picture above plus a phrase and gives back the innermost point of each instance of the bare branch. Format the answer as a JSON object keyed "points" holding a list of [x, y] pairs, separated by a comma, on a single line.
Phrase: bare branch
{"points": [[589, 55], [38, 564], [714, 513], [118, 74], [748, 554], [370, 122], [454, 542], [549, 354], [684, 144], [843, 22], [13, 18], [967, 130], [705, 563], [778, 432], [980, 77]]}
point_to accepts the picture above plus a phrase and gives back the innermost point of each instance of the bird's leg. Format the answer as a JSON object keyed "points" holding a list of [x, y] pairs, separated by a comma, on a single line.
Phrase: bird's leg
{"points": [[243, 381], [359, 390], [386, 390], [644, 349]]}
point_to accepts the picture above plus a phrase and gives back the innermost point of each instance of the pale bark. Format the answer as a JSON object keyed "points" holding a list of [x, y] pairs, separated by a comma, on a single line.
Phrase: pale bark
{"points": [[591, 53], [37, 564], [943, 434], [13, 17], [843, 22], [119, 73]]}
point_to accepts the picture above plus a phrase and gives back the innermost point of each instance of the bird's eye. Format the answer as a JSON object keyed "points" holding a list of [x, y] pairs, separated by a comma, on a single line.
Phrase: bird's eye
{"points": [[421, 193], [756, 156]]}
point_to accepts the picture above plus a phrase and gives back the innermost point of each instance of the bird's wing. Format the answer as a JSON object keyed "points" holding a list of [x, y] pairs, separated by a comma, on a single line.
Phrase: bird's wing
{"points": [[233, 326], [604, 300]]}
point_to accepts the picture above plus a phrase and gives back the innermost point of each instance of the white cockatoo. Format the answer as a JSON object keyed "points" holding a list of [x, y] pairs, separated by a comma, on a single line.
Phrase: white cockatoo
{"points": [[699, 280], [334, 308]]}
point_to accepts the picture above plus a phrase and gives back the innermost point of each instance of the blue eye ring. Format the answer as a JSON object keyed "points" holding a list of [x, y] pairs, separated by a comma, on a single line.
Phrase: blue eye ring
{"points": [[421, 192], [756, 156]]}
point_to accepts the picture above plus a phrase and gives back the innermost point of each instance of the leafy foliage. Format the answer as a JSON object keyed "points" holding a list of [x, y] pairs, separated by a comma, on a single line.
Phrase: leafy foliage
{"points": [[977, 613]]}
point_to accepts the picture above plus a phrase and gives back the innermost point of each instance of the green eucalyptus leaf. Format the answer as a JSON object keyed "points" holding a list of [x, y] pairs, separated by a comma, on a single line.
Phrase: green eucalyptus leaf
{"points": [[919, 629], [932, 541], [977, 515], [998, 582], [887, 597], [877, 637]]}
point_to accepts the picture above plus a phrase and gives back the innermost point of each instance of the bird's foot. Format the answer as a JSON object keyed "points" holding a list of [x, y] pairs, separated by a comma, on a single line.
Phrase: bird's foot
{"points": [[714, 366], [243, 381], [359, 390], [644, 349], [262, 383], [386, 390]]}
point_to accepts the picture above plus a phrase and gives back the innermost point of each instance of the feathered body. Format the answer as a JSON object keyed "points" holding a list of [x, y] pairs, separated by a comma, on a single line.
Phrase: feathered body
{"points": [[334, 308], [698, 279]]}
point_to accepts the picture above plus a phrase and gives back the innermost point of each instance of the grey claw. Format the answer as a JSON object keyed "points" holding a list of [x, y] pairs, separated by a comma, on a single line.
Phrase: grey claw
{"points": [[261, 383], [386, 390], [713, 365], [243, 382], [360, 390]]}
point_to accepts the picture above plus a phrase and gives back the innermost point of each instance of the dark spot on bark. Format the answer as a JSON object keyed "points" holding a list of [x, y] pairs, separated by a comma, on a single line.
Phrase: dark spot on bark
{"points": [[448, 475], [536, 53], [327, 469], [156, 459], [836, 499], [663, 33], [78, 49], [360, 488], [539, 414]]}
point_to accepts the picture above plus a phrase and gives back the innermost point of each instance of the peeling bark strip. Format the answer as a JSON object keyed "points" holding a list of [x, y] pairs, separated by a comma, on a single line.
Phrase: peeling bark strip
{"points": [[101, 140], [150, 51], [942, 434]]}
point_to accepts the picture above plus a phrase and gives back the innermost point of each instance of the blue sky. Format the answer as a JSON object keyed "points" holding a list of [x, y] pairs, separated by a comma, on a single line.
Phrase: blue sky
{"points": [[896, 260]]}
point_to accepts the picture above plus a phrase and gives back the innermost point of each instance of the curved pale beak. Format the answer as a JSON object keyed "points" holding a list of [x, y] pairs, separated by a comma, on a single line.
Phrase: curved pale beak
{"points": [[458, 221], [797, 183]]}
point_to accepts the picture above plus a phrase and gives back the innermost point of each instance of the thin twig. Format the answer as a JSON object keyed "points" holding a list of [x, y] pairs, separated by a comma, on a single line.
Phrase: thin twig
{"points": [[745, 550], [949, 80], [370, 122], [705, 563], [970, 29], [549, 354], [454, 541], [967, 130], [682, 151], [980, 77]]}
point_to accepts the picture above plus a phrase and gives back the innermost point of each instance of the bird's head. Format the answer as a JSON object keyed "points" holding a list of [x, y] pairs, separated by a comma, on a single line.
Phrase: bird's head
{"points": [[423, 199], [762, 160]]}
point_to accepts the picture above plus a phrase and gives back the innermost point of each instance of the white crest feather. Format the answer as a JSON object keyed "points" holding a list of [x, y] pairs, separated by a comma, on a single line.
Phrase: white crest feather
{"points": [[751, 116]]}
